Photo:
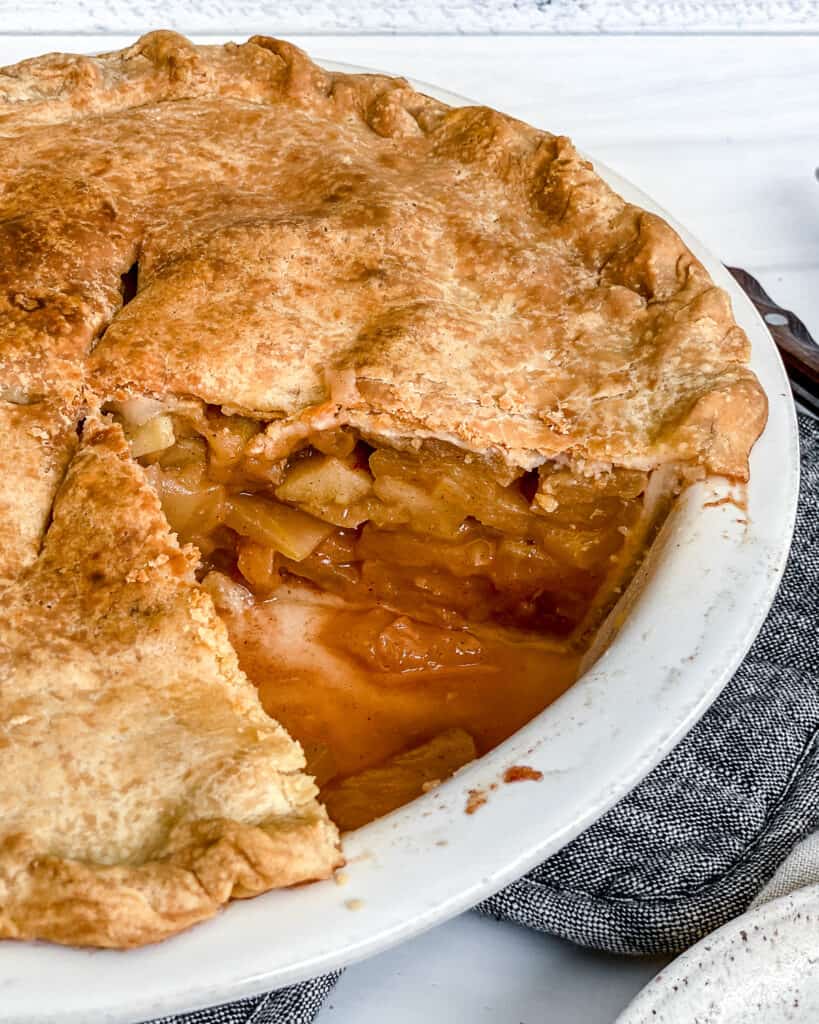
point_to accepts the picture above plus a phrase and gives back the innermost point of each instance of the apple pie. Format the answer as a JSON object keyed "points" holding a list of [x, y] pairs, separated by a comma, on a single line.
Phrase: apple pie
{"points": [[334, 422]]}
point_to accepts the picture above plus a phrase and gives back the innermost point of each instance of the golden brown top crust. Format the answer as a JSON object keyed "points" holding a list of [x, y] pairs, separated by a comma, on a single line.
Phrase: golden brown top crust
{"points": [[37, 443], [162, 788], [306, 238]]}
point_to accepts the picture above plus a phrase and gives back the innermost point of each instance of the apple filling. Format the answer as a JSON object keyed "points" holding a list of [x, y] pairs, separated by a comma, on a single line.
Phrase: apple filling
{"points": [[449, 596]]}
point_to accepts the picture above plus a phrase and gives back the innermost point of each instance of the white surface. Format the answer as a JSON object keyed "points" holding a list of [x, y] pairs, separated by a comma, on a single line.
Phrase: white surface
{"points": [[724, 130], [759, 967], [428, 16], [478, 971]]}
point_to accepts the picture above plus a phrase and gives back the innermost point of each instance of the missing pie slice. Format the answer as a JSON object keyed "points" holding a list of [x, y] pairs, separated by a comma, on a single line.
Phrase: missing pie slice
{"points": [[380, 403]]}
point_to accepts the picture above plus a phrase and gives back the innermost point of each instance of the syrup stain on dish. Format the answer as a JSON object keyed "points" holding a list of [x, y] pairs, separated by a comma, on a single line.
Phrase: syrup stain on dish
{"points": [[522, 773], [476, 798], [737, 497]]}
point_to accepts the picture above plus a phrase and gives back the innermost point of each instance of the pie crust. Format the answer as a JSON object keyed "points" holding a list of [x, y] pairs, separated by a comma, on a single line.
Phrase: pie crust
{"points": [[232, 232], [142, 785]]}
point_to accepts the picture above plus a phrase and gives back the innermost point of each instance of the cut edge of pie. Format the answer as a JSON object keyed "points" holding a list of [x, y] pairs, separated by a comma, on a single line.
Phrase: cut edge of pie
{"points": [[414, 523]]}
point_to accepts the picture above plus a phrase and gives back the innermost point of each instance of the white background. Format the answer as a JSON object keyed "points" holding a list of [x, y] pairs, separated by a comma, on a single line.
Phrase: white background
{"points": [[427, 16], [717, 117]]}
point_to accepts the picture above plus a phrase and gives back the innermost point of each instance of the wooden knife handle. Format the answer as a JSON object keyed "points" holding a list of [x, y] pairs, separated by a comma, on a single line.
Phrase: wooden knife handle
{"points": [[799, 351]]}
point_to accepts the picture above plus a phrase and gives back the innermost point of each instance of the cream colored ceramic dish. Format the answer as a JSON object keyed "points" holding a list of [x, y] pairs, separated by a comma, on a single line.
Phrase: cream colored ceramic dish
{"points": [[694, 610], [759, 967]]}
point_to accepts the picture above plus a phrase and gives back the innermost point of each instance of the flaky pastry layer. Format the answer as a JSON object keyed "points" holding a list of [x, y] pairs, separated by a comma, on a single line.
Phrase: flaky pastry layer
{"points": [[142, 785]]}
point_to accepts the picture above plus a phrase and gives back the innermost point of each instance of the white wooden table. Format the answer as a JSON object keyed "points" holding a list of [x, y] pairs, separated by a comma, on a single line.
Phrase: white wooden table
{"points": [[723, 130]]}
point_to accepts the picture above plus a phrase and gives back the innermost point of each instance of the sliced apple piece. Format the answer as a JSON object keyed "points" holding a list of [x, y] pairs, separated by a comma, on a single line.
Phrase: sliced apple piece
{"points": [[563, 486], [257, 563], [155, 435], [135, 411], [185, 452], [331, 488], [228, 440], [579, 548], [443, 492], [503, 508], [321, 763], [192, 504], [354, 801], [407, 502], [472, 554], [333, 442], [274, 525]]}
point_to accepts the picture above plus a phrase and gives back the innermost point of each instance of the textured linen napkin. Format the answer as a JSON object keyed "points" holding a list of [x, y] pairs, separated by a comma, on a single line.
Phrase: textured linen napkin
{"points": [[799, 870], [702, 836]]}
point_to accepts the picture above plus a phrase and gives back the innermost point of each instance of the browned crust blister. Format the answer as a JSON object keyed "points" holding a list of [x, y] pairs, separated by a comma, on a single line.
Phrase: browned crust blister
{"points": [[310, 247]]}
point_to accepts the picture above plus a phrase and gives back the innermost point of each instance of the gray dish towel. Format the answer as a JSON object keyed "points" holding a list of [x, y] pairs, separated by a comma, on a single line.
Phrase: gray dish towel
{"points": [[693, 844]]}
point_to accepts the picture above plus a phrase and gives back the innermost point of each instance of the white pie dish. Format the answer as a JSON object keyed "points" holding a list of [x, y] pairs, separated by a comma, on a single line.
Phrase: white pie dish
{"points": [[709, 585]]}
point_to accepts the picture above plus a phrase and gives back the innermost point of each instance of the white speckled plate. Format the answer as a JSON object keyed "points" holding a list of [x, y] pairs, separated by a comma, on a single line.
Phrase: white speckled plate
{"points": [[706, 590], [761, 967]]}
